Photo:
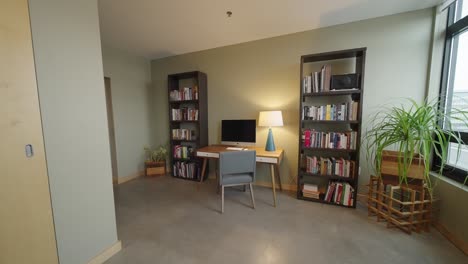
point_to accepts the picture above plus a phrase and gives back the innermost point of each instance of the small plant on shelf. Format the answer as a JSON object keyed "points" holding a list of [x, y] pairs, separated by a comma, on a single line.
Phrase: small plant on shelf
{"points": [[155, 163]]}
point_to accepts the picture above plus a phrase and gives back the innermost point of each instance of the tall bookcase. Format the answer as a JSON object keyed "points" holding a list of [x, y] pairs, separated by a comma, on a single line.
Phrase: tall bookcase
{"points": [[188, 122], [330, 124]]}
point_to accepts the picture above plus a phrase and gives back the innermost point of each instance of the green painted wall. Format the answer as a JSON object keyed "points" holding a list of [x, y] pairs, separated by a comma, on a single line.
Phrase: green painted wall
{"points": [[132, 107], [67, 53], [246, 78]]}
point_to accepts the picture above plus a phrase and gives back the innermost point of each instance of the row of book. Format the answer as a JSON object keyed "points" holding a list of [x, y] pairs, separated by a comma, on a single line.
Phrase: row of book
{"points": [[183, 94], [189, 170], [329, 140], [184, 113], [335, 112], [340, 193], [318, 81], [182, 152], [330, 166], [310, 191], [183, 134]]}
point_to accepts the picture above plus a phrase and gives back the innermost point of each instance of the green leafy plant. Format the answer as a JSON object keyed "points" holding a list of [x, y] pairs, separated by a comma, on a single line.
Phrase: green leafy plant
{"points": [[421, 129], [157, 154]]}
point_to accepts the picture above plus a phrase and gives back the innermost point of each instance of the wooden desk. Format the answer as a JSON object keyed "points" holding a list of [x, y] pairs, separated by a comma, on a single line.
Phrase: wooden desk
{"points": [[273, 158]]}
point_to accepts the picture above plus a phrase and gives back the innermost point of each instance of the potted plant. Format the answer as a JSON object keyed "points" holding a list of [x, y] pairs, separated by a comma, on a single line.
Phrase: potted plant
{"points": [[416, 133], [155, 163]]}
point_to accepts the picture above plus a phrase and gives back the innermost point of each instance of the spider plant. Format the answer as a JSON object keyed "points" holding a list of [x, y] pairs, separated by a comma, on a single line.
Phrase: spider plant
{"points": [[421, 129]]}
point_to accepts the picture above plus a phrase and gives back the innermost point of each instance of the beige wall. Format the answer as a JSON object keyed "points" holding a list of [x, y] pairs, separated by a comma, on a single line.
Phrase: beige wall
{"points": [[131, 100], [453, 214], [67, 51], [246, 78]]}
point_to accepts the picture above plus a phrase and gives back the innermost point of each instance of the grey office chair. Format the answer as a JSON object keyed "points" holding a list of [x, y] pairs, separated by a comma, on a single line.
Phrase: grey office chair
{"points": [[237, 168]]}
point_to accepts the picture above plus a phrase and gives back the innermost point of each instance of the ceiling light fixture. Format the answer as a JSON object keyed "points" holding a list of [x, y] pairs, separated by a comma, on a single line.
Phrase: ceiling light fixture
{"points": [[229, 13]]}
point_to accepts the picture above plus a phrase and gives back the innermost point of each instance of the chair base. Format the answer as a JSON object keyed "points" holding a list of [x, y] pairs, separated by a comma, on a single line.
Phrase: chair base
{"points": [[231, 185]]}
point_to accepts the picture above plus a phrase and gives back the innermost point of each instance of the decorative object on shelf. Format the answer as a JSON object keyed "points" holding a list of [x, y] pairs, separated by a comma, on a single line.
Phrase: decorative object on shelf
{"points": [[270, 119], [188, 122], [155, 163], [345, 81], [414, 130], [332, 86]]}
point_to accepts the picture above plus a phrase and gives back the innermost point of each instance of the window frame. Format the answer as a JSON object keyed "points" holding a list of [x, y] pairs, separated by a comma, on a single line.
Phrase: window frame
{"points": [[446, 86]]}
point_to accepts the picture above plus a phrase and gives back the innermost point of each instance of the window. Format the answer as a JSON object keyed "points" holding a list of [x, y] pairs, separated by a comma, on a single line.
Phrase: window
{"points": [[454, 87]]}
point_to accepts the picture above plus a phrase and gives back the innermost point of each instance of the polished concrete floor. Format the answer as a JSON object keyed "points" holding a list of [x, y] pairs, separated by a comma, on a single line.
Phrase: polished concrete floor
{"points": [[166, 220]]}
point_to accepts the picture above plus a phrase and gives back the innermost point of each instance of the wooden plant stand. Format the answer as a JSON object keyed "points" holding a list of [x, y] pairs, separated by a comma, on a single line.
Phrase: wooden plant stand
{"points": [[157, 168], [408, 208]]}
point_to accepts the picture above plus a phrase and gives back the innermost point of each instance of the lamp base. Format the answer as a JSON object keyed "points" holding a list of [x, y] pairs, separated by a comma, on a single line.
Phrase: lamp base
{"points": [[270, 144]]}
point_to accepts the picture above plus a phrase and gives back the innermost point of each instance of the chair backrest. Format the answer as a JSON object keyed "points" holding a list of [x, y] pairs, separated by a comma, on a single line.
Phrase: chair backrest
{"points": [[236, 162]]}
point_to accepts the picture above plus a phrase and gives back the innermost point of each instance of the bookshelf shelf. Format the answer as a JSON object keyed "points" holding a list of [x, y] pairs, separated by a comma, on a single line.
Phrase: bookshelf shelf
{"points": [[187, 179], [188, 99], [183, 101], [328, 149], [185, 140], [323, 202], [184, 121], [331, 177], [331, 121], [182, 159], [321, 74], [333, 93]]}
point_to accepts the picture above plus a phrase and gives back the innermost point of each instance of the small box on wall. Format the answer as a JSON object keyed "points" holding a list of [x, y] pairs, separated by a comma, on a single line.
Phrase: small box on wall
{"points": [[345, 81]]}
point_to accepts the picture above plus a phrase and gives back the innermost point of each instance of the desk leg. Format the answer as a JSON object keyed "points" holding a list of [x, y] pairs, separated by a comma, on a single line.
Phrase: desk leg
{"points": [[279, 176], [273, 187], [205, 160]]}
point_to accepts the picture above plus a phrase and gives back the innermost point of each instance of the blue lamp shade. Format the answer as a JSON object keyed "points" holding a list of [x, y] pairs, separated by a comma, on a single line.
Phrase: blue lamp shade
{"points": [[270, 119]]}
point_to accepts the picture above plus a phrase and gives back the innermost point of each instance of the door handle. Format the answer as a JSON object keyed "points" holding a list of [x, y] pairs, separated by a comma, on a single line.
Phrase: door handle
{"points": [[29, 150]]}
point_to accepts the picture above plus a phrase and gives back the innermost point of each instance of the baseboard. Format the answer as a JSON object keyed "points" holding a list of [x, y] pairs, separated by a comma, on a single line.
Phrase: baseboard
{"points": [[107, 253], [459, 243], [121, 180], [287, 187]]}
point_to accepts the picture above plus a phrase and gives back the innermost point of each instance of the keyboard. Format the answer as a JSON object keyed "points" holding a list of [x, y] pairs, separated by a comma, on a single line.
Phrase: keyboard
{"points": [[234, 148]]}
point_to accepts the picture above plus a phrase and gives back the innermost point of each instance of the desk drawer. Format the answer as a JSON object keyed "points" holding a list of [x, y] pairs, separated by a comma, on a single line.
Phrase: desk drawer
{"points": [[267, 160], [208, 154]]}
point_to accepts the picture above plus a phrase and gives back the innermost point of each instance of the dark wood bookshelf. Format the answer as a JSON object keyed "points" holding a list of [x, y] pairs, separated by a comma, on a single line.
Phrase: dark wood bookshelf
{"points": [[176, 82], [353, 59]]}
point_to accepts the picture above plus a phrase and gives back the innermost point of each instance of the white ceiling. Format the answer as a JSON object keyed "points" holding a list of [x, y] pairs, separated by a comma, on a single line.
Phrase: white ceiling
{"points": [[158, 28]]}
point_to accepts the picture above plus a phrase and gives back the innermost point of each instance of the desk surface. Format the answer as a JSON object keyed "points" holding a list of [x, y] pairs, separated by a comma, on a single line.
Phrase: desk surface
{"points": [[261, 152]]}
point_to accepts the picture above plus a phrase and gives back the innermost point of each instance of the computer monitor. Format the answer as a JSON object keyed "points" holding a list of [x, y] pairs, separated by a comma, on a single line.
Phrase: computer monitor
{"points": [[238, 132]]}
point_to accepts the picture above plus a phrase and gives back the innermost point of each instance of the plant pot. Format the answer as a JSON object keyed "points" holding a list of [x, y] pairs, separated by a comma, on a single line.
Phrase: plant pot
{"points": [[389, 169], [155, 168]]}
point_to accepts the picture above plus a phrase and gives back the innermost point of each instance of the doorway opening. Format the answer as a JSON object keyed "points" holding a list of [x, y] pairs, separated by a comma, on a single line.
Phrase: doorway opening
{"points": [[110, 123]]}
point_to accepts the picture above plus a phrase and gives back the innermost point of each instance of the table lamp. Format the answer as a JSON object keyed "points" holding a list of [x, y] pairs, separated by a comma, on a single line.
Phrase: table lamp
{"points": [[270, 119]]}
